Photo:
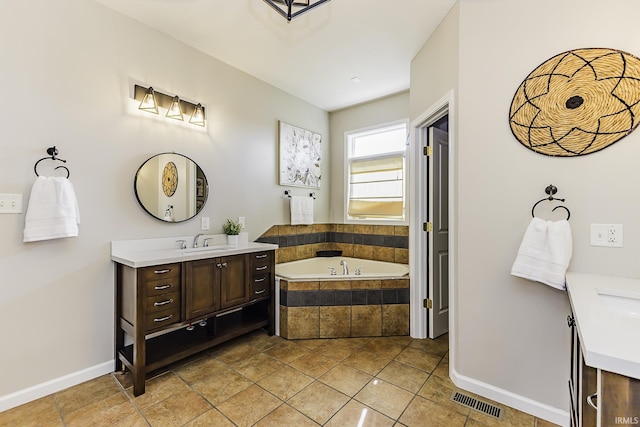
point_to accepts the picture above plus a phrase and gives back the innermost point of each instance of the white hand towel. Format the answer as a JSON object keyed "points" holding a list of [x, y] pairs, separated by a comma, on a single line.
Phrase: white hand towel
{"points": [[301, 210], [53, 211], [545, 253]]}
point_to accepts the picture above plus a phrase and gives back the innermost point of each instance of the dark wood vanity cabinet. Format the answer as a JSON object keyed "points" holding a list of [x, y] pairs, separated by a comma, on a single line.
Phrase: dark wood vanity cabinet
{"points": [[167, 312]]}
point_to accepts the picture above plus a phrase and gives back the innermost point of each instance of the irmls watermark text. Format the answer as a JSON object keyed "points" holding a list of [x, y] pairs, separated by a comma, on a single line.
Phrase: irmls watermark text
{"points": [[626, 421]]}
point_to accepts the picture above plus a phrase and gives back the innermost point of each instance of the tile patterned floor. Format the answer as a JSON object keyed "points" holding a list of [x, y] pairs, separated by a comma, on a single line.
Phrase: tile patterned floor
{"points": [[265, 381]]}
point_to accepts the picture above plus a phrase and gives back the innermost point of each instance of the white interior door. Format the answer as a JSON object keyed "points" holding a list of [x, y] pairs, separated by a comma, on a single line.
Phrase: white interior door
{"points": [[438, 251]]}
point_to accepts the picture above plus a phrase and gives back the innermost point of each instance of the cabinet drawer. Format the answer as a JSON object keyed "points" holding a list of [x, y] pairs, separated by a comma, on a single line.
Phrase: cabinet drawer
{"points": [[261, 260], [162, 318], [162, 302], [160, 272], [257, 270], [163, 286], [260, 285]]}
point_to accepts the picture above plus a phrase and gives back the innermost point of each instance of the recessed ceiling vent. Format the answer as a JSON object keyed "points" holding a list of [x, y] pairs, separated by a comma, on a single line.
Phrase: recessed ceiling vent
{"points": [[477, 405]]}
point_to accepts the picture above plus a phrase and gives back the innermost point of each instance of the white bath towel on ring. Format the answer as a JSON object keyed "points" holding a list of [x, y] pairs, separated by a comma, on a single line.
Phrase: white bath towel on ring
{"points": [[545, 253], [53, 211]]}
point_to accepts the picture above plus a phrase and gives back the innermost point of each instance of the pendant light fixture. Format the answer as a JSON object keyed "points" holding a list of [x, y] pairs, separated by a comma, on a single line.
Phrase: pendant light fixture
{"points": [[149, 102], [290, 9], [175, 111]]}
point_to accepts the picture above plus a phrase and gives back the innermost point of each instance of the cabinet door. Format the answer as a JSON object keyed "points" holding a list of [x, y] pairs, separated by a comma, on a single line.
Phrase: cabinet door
{"points": [[234, 281], [202, 288], [620, 401]]}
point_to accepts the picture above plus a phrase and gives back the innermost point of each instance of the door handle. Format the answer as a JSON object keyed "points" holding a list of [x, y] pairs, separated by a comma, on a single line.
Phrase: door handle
{"points": [[590, 400]]}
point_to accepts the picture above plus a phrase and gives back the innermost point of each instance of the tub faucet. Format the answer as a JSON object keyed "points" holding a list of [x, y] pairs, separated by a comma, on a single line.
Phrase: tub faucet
{"points": [[345, 268], [195, 239]]}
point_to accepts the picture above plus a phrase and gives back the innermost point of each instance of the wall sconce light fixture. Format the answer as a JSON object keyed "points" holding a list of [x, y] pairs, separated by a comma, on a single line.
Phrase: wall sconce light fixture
{"points": [[151, 99], [197, 118], [149, 102], [290, 9], [175, 111]]}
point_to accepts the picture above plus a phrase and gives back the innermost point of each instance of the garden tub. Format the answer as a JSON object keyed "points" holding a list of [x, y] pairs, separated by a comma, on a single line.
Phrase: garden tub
{"points": [[314, 303], [321, 268]]}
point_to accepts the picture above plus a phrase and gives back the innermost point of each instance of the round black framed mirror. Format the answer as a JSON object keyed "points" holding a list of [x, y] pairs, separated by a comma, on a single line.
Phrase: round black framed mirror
{"points": [[171, 187]]}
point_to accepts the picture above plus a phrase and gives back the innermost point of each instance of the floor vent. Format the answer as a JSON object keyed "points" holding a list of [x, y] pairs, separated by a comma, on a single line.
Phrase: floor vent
{"points": [[477, 405]]}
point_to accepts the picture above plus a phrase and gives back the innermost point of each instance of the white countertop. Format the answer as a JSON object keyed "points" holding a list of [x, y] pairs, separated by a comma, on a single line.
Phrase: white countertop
{"points": [[149, 252], [608, 323]]}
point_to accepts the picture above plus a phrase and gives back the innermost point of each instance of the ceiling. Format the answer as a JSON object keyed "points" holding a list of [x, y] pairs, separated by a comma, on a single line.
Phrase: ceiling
{"points": [[316, 55]]}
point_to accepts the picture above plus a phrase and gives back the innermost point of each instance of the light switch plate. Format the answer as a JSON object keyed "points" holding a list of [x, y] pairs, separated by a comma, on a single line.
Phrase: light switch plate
{"points": [[205, 223], [10, 203]]}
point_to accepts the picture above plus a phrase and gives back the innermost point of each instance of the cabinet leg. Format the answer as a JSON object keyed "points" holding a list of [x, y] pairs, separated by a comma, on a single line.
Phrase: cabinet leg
{"points": [[138, 382], [212, 327]]}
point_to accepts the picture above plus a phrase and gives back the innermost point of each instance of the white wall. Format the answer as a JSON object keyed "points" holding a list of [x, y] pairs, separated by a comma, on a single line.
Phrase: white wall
{"points": [[67, 67], [512, 334], [381, 111]]}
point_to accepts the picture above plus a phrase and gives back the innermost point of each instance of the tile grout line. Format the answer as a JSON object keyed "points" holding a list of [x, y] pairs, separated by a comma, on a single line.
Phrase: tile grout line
{"points": [[131, 400], [59, 409]]}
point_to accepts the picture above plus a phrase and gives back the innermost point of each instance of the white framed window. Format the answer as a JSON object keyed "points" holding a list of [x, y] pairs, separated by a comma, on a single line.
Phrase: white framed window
{"points": [[375, 175]]}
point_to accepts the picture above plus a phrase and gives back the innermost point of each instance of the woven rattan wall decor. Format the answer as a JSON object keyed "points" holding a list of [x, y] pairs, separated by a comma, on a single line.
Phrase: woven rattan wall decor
{"points": [[577, 102]]}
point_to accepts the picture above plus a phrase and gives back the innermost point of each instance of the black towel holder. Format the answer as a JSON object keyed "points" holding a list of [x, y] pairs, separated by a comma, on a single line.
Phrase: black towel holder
{"points": [[52, 152], [551, 190], [288, 194]]}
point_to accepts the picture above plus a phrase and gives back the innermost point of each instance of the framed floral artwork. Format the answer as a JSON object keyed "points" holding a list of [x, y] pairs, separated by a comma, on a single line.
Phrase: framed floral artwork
{"points": [[300, 156]]}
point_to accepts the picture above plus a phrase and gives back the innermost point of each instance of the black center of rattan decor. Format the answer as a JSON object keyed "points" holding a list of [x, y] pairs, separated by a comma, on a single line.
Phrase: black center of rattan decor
{"points": [[574, 102]]}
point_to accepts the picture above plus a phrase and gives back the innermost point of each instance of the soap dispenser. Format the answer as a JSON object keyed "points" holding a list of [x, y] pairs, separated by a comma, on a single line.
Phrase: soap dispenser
{"points": [[168, 214]]}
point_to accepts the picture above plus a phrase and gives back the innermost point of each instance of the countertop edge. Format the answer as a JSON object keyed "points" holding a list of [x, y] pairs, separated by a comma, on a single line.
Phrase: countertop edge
{"points": [[138, 259]]}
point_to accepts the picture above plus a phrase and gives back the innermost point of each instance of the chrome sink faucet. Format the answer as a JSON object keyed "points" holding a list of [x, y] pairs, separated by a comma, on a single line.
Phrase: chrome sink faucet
{"points": [[345, 268], [195, 239]]}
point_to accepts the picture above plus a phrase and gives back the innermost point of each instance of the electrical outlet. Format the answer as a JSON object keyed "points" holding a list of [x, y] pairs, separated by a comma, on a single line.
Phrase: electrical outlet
{"points": [[241, 221], [614, 235], [10, 203], [609, 235], [204, 223]]}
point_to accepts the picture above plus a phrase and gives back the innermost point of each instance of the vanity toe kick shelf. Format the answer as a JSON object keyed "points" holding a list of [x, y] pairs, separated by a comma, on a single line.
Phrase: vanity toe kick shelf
{"points": [[175, 345]]}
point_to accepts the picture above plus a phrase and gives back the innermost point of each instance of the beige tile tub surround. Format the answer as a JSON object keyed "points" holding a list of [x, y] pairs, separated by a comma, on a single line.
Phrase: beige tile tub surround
{"points": [[376, 242], [305, 312]]}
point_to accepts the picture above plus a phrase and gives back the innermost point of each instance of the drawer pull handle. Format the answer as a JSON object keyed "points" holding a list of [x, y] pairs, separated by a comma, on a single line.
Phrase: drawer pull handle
{"points": [[160, 288], [264, 267], [259, 280], [590, 400], [160, 303], [162, 319], [224, 264], [261, 256], [166, 270], [260, 292]]}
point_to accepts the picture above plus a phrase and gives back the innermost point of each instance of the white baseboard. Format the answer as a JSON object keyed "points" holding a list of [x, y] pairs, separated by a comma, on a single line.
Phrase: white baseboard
{"points": [[40, 390], [521, 403]]}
